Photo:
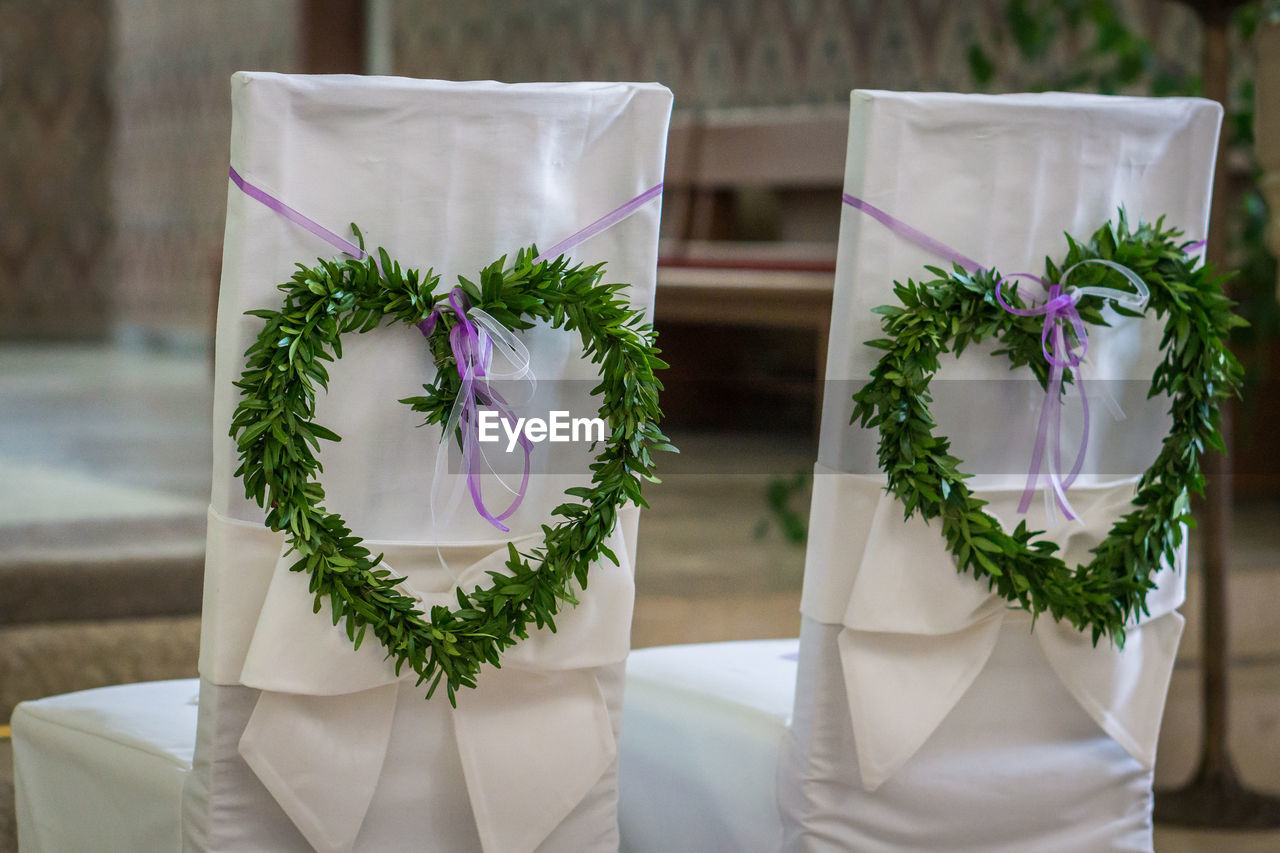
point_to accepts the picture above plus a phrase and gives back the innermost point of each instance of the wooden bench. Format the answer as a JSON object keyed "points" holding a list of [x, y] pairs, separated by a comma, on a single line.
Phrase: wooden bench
{"points": [[751, 217]]}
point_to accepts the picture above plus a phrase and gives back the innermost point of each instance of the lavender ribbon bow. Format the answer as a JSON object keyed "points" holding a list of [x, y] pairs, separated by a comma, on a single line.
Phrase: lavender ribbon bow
{"points": [[472, 343], [1059, 311]]}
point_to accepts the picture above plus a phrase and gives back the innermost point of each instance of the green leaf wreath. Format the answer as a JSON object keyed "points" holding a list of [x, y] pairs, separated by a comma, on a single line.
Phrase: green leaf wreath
{"points": [[278, 439], [1197, 372]]}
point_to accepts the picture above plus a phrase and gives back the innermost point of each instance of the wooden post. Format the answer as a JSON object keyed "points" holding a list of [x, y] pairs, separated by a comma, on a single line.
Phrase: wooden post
{"points": [[1215, 797], [1266, 126], [333, 36]]}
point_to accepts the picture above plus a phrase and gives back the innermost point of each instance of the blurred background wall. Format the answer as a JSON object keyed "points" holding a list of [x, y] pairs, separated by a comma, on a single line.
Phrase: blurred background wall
{"points": [[114, 120], [115, 116], [55, 168], [115, 113], [746, 53], [171, 121]]}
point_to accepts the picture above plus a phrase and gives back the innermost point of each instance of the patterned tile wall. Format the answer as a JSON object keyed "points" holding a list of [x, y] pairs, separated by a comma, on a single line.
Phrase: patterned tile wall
{"points": [[114, 124], [55, 133], [174, 59], [739, 53]]}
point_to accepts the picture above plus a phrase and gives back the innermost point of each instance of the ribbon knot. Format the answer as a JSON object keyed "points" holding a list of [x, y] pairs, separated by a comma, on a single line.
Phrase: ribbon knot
{"points": [[1059, 312], [472, 341]]}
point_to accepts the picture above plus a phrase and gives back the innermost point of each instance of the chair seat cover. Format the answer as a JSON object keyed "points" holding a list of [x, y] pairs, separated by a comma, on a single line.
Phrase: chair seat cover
{"points": [[701, 729], [103, 769]]}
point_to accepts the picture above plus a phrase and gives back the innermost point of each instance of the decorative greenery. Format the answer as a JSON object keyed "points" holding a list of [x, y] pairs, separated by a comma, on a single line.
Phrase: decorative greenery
{"points": [[955, 309], [780, 493], [278, 439], [1112, 56]]}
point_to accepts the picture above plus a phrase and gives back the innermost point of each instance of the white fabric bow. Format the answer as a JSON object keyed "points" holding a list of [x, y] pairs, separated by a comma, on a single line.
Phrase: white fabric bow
{"points": [[322, 727], [917, 633]]}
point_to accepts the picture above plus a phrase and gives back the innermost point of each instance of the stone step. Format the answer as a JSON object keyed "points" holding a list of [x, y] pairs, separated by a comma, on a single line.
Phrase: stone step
{"points": [[50, 658], [102, 568]]}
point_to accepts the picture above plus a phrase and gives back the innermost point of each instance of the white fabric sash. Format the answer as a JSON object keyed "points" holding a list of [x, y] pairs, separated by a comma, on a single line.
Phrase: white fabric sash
{"points": [[916, 633], [322, 726]]}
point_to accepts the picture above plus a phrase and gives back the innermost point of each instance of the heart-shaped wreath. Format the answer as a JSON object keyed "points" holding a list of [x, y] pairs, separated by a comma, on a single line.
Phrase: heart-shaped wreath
{"points": [[278, 439], [1197, 372]]}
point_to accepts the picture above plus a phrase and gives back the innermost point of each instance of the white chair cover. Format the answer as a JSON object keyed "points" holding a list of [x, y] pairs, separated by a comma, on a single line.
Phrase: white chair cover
{"points": [[302, 741], [448, 176], [928, 716]]}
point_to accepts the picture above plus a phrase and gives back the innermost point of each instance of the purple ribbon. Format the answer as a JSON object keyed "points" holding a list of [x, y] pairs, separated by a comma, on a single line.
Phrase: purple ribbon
{"points": [[472, 346], [1059, 312], [609, 220], [296, 217], [921, 239], [472, 354]]}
